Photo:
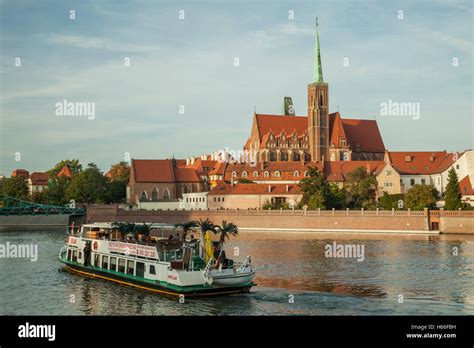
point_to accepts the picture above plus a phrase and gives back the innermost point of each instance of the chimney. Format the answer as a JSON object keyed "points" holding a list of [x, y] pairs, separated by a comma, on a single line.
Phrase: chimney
{"points": [[192, 160], [269, 188], [408, 158], [187, 161]]}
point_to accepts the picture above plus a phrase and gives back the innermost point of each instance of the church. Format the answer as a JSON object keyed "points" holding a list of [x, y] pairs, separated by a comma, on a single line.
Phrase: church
{"points": [[320, 136]]}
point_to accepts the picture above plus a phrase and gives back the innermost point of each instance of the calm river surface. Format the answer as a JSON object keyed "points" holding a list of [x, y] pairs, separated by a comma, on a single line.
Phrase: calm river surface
{"points": [[289, 266]]}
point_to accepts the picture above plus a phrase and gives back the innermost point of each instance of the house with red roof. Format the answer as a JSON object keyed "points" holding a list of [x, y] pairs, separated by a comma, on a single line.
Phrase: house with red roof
{"points": [[465, 185], [160, 184], [21, 173], [38, 182], [252, 196]]}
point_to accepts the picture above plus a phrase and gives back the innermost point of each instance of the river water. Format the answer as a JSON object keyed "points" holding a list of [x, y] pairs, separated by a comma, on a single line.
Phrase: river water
{"points": [[399, 275]]}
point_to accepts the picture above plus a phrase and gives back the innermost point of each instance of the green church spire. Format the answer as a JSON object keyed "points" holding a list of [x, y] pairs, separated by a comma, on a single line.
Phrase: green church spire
{"points": [[318, 68]]}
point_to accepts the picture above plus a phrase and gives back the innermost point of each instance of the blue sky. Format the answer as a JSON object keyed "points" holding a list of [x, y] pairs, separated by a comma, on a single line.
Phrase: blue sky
{"points": [[190, 62]]}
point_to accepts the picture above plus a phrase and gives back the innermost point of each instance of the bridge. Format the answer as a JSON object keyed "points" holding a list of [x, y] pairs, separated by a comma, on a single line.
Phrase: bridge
{"points": [[14, 206]]}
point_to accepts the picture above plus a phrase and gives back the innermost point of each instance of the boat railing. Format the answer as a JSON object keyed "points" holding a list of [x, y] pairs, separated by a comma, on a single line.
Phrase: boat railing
{"points": [[62, 251]]}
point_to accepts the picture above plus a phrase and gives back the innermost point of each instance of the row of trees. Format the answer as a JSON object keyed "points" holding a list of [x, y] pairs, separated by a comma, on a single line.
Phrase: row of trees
{"points": [[87, 185], [360, 191]]}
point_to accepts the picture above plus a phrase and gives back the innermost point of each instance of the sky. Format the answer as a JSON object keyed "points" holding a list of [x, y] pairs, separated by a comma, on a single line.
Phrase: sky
{"points": [[183, 93]]}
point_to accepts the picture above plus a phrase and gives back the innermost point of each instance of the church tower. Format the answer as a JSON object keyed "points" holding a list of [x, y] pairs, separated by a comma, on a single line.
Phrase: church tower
{"points": [[318, 109]]}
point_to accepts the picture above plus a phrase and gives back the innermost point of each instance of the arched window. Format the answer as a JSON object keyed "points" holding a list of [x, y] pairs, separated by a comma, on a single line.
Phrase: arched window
{"points": [[166, 194], [307, 157], [143, 196], [255, 174], [244, 174], [154, 194], [296, 174], [277, 174], [273, 156], [185, 189], [296, 156], [266, 174], [284, 157], [234, 174], [306, 174]]}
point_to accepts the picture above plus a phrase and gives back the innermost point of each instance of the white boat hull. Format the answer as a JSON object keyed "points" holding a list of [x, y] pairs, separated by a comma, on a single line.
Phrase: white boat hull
{"points": [[234, 278]]}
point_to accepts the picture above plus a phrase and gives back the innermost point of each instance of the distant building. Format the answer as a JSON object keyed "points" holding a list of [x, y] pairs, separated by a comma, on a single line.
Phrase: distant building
{"points": [[252, 196], [38, 182], [467, 191], [194, 201], [21, 173], [159, 184], [65, 171]]}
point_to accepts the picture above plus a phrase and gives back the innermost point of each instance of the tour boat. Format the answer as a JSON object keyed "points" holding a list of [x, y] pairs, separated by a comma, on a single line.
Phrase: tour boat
{"points": [[163, 265]]}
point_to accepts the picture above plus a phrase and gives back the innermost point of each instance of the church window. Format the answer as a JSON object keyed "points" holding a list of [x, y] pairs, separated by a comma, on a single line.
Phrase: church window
{"points": [[296, 174], [321, 100], [296, 156], [143, 196], [273, 156], [266, 174], [277, 174], [154, 195], [255, 174], [234, 174], [284, 157], [244, 174], [306, 174], [166, 194]]}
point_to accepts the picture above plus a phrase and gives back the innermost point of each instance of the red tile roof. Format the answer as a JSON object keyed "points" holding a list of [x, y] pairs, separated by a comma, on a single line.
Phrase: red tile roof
{"points": [[65, 171], [278, 123], [338, 171], [21, 172], [362, 133], [417, 162], [202, 167], [218, 169], [223, 188], [39, 179], [466, 186], [161, 171]]}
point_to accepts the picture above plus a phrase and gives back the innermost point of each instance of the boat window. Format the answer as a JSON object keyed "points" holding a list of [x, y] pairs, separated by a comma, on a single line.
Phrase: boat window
{"points": [[69, 252], [152, 269], [130, 267], [113, 263], [121, 265], [74, 255], [96, 260], [105, 262]]}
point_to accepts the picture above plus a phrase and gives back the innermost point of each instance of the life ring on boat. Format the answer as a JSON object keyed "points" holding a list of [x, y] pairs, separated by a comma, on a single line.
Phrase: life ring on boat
{"points": [[95, 245]]}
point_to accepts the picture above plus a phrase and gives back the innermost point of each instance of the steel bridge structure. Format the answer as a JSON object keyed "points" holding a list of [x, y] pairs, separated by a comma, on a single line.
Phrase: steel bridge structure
{"points": [[14, 206]]}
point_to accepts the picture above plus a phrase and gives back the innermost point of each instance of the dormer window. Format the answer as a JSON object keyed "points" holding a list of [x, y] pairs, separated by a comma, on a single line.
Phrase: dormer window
{"points": [[234, 174], [277, 174], [296, 174], [255, 174], [343, 142], [266, 174], [244, 174]]}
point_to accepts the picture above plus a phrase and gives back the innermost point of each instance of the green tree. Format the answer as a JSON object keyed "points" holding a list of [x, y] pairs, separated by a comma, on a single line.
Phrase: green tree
{"points": [[73, 164], [56, 191], [40, 197], [186, 227], [452, 195], [420, 197], [336, 198], [116, 191], [225, 231], [315, 188], [89, 186], [361, 189], [16, 187], [120, 172]]}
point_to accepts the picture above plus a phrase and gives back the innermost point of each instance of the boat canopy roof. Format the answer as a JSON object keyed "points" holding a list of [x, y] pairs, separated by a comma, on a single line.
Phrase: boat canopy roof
{"points": [[108, 225]]}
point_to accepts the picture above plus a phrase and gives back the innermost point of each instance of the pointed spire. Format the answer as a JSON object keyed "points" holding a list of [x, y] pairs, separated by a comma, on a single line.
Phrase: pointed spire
{"points": [[318, 68]]}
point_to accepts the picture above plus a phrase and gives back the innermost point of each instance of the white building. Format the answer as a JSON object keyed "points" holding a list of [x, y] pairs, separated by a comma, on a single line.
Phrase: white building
{"points": [[194, 201]]}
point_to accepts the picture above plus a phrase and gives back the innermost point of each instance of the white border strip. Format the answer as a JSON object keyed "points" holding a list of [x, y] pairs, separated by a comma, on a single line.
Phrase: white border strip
{"points": [[259, 229]]}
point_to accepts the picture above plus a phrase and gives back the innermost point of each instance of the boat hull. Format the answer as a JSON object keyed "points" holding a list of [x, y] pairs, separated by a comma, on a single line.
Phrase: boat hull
{"points": [[232, 279], [158, 287]]}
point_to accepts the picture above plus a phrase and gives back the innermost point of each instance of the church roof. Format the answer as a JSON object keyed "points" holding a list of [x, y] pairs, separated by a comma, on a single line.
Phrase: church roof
{"points": [[161, 171], [364, 133]]}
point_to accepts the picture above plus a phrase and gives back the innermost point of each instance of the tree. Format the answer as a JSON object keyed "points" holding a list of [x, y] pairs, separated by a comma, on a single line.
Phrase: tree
{"points": [[336, 198], [89, 186], [420, 197], [186, 227], [120, 172], [40, 197], [452, 195], [390, 202], [315, 189], [225, 231], [56, 191], [73, 164], [16, 187], [361, 189], [116, 191]]}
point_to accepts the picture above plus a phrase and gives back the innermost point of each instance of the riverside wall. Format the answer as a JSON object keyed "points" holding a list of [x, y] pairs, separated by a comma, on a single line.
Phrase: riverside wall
{"points": [[357, 221]]}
